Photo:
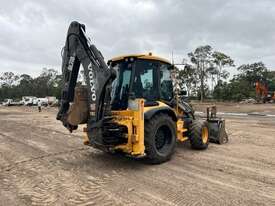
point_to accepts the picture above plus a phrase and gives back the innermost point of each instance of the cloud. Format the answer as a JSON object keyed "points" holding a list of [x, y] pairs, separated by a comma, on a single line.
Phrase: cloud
{"points": [[33, 32]]}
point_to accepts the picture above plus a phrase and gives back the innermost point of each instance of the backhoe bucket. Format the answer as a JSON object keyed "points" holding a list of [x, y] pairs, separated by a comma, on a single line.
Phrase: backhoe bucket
{"points": [[216, 125]]}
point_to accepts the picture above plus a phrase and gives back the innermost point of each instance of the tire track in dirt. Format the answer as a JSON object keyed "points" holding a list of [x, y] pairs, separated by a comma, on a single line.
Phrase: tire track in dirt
{"points": [[231, 179], [189, 186], [42, 178], [152, 184], [11, 150], [63, 175], [194, 172], [153, 187], [49, 181], [18, 163], [35, 142]]}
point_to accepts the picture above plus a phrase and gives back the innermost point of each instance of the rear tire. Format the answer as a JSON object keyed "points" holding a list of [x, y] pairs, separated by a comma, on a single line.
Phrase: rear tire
{"points": [[199, 135], [159, 138]]}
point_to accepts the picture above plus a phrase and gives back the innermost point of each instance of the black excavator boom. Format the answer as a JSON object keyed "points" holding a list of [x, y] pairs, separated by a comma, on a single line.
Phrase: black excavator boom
{"points": [[79, 50]]}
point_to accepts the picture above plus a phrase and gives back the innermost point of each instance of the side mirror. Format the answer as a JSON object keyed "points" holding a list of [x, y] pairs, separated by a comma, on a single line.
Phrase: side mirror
{"points": [[182, 93]]}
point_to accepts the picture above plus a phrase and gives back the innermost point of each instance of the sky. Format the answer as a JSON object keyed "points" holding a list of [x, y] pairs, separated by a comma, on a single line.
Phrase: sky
{"points": [[32, 32]]}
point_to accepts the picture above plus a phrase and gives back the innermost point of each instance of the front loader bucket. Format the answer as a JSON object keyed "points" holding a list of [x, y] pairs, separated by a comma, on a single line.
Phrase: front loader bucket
{"points": [[217, 133], [216, 125]]}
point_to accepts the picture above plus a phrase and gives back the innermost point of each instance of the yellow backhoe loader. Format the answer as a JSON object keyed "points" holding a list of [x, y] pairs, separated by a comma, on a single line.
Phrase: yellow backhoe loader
{"points": [[128, 104]]}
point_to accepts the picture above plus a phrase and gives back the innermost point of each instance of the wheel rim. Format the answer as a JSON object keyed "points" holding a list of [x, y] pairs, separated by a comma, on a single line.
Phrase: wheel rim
{"points": [[205, 135], [163, 138]]}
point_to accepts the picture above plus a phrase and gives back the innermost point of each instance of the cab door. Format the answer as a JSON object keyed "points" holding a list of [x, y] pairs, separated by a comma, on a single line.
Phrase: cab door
{"points": [[165, 82]]}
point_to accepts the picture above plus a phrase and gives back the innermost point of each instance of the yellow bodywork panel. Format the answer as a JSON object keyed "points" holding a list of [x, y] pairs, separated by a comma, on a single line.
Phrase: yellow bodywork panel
{"points": [[181, 130], [133, 119]]}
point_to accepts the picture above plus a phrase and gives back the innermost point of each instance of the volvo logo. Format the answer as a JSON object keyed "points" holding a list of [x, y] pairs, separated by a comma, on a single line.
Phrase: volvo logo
{"points": [[71, 63], [92, 82]]}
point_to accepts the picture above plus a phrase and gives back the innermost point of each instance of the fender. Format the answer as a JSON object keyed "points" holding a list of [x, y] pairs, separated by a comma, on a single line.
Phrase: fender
{"points": [[156, 110]]}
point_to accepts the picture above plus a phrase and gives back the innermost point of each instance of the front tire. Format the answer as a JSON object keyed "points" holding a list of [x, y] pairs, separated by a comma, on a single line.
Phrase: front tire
{"points": [[199, 135], [159, 138]]}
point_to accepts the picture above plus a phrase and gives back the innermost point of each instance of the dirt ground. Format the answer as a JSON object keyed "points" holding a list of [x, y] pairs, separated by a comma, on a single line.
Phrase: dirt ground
{"points": [[237, 107], [41, 163]]}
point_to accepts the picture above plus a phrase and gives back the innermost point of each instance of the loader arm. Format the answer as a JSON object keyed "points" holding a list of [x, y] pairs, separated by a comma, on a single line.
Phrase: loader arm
{"points": [[98, 76]]}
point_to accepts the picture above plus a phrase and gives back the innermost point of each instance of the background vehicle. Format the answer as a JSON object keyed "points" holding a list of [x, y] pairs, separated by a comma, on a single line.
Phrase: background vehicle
{"points": [[51, 100], [7, 102], [128, 105], [44, 101], [29, 100], [263, 95], [11, 102]]}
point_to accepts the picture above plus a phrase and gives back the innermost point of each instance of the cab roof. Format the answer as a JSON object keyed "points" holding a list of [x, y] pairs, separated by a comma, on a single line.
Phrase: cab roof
{"points": [[148, 56]]}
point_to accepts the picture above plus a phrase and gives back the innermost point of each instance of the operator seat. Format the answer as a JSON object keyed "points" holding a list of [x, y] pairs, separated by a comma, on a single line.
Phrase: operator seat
{"points": [[137, 87]]}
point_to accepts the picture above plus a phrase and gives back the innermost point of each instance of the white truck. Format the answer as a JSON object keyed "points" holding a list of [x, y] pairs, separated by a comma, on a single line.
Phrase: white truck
{"points": [[7, 102], [29, 100], [51, 100], [44, 101]]}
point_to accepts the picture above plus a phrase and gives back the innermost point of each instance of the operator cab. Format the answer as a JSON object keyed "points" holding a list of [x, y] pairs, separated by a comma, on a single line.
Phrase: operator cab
{"points": [[141, 76]]}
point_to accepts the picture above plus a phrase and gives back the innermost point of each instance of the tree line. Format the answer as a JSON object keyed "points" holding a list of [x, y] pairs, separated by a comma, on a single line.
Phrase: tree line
{"points": [[14, 86], [205, 75]]}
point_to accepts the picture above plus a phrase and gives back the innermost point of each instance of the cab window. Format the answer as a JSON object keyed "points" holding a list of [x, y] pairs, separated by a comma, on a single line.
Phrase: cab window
{"points": [[166, 84], [145, 84]]}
